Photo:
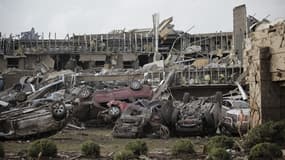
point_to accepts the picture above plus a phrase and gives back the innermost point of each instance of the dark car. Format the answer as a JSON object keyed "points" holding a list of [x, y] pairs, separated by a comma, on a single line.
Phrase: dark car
{"points": [[144, 118], [198, 116]]}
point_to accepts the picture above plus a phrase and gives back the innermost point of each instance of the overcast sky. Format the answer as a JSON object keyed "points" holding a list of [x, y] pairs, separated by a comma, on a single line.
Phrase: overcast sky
{"points": [[102, 16]]}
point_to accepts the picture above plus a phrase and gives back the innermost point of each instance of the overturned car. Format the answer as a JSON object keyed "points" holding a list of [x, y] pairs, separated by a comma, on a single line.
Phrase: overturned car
{"points": [[197, 115], [163, 118], [35, 107], [96, 105], [144, 118], [33, 120]]}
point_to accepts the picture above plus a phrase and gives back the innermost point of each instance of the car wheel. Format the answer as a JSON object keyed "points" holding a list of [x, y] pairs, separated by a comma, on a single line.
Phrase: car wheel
{"points": [[224, 131], [135, 85], [164, 132], [114, 112], [84, 93], [166, 111], [219, 98], [18, 87], [21, 97], [210, 123], [58, 111], [175, 116], [23, 79], [186, 97]]}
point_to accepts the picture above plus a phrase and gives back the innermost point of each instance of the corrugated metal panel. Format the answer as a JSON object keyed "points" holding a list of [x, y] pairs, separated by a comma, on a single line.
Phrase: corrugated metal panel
{"points": [[90, 57]]}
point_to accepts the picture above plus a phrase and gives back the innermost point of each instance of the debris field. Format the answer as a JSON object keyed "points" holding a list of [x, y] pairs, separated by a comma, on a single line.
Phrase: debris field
{"points": [[153, 93]]}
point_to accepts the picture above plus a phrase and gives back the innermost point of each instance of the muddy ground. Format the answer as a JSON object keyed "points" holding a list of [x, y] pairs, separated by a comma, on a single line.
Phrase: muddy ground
{"points": [[69, 142]]}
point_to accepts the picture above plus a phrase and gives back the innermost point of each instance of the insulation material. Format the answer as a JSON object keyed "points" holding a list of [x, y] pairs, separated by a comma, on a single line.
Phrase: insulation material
{"points": [[200, 63]]}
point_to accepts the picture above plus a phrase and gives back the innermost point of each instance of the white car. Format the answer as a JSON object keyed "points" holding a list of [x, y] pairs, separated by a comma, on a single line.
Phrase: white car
{"points": [[235, 118]]}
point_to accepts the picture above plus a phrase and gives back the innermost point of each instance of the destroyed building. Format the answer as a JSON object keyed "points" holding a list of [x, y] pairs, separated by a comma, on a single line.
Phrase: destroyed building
{"points": [[203, 63], [122, 49], [135, 48]]}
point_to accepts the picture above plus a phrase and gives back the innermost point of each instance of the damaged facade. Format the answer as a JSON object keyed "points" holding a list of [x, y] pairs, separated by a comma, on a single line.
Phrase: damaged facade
{"points": [[264, 62], [119, 48]]}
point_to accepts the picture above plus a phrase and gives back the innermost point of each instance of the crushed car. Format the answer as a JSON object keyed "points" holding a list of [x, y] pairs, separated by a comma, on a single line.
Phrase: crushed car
{"points": [[164, 118], [95, 104], [35, 107], [30, 88], [144, 118], [235, 112], [33, 120], [197, 115], [236, 115]]}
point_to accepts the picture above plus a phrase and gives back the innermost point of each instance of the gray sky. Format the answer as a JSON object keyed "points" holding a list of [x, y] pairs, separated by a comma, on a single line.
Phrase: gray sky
{"points": [[101, 16]]}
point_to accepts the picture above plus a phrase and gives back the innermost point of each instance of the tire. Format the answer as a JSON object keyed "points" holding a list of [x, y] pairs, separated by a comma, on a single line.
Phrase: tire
{"points": [[186, 97], [18, 87], [166, 111], [164, 132], [23, 79], [58, 111], [210, 123], [174, 117], [84, 93], [114, 111], [21, 97], [135, 85], [219, 98]]}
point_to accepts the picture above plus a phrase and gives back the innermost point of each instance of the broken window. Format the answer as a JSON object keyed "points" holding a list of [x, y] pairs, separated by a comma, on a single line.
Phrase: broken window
{"points": [[99, 63], [128, 64], [12, 63]]}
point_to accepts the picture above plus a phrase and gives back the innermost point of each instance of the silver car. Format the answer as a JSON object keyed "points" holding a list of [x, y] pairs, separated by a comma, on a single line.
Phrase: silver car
{"points": [[235, 118]]}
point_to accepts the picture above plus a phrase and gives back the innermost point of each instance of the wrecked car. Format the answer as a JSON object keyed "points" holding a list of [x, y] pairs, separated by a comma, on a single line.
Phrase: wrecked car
{"points": [[35, 119], [94, 105], [197, 115], [163, 118], [30, 88], [35, 107], [236, 115], [144, 118], [128, 94]]}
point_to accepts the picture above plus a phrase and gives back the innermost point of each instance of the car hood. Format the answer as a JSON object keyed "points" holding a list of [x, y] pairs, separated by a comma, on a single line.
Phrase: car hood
{"points": [[236, 111]]}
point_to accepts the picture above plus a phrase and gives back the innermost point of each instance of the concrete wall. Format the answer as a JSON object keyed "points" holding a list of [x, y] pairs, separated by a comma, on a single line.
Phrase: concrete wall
{"points": [[264, 59], [31, 60]]}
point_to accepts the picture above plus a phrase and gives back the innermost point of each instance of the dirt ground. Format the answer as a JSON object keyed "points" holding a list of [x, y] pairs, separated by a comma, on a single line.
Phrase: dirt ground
{"points": [[69, 142]]}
